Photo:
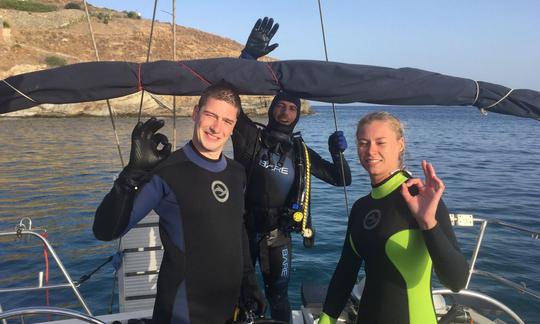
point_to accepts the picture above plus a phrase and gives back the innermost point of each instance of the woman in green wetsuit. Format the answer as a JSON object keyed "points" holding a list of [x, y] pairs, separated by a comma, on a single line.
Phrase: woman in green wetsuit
{"points": [[401, 230]]}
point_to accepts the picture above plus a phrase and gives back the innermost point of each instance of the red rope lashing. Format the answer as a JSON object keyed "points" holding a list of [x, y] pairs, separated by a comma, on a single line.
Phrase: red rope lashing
{"points": [[273, 74], [197, 75], [139, 86], [46, 256]]}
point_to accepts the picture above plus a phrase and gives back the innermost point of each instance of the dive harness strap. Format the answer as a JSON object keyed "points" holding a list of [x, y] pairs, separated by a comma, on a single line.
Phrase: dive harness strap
{"points": [[298, 209]]}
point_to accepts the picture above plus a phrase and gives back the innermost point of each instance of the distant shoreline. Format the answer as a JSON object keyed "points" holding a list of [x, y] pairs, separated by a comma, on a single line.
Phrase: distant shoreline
{"points": [[129, 107]]}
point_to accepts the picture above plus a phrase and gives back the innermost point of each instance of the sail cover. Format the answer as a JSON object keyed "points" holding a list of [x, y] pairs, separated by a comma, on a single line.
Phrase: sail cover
{"points": [[312, 80]]}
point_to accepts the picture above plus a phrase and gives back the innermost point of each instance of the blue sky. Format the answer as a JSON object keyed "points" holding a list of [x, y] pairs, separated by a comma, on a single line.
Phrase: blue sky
{"points": [[495, 41]]}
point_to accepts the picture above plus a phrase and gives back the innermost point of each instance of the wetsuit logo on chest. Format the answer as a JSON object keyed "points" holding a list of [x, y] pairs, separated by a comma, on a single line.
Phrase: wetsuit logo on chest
{"points": [[220, 191], [273, 167], [372, 219]]}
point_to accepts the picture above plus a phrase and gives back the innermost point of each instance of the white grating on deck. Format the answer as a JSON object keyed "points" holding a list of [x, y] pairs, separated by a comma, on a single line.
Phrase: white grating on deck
{"points": [[142, 254]]}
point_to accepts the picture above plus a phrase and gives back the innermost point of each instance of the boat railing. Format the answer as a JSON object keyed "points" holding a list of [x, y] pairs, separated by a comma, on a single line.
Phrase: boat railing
{"points": [[25, 311], [479, 296], [24, 230], [468, 220]]}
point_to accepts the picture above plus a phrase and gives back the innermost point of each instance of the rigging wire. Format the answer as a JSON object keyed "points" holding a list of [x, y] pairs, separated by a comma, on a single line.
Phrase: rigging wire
{"points": [[334, 113], [108, 102], [174, 59], [112, 117], [148, 55], [138, 120], [335, 124]]}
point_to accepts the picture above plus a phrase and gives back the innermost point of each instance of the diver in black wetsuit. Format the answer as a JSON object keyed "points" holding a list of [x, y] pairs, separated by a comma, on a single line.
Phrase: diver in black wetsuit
{"points": [[401, 230], [278, 166], [199, 195]]}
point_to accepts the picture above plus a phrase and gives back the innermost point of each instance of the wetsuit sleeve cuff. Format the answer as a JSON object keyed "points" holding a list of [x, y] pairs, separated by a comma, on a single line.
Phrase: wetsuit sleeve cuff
{"points": [[433, 232], [131, 179], [326, 319], [245, 55]]}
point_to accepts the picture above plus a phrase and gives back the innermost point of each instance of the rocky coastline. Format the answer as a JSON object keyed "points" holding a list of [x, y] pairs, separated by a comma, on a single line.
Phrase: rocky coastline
{"points": [[29, 41]]}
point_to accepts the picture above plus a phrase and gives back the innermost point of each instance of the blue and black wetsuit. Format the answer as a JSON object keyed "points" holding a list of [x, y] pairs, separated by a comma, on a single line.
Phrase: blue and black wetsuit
{"points": [[399, 258], [270, 164], [200, 203]]}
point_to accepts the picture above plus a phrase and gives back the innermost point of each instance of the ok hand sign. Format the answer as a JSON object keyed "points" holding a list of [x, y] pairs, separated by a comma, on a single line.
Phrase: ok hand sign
{"points": [[423, 206]]}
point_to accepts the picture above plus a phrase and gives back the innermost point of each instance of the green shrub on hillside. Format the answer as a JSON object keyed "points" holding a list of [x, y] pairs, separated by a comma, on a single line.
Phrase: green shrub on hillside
{"points": [[104, 17], [27, 5], [72, 5], [133, 15], [5, 24], [55, 61]]}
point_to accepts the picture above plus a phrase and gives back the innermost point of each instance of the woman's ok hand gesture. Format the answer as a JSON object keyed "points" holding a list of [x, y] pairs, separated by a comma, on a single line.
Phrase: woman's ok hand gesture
{"points": [[423, 206]]}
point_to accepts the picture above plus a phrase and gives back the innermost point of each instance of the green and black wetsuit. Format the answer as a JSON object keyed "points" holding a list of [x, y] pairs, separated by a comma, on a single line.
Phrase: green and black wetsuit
{"points": [[399, 258]]}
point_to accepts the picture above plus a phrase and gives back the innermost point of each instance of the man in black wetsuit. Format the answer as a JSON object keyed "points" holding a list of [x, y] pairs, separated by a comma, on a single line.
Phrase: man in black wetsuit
{"points": [[198, 194], [278, 165]]}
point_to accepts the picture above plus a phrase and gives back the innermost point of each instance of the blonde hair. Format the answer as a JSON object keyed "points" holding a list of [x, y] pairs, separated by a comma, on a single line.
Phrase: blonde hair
{"points": [[394, 122]]}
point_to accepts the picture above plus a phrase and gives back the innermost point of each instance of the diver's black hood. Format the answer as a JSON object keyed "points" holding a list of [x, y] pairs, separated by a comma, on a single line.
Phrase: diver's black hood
{"points": [[274, 125]]}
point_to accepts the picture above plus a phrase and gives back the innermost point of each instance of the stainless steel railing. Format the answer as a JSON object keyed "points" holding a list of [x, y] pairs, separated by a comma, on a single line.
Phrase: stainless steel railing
{"points": [[25, 311], [479, 296], [468, 220], [25, 230]]}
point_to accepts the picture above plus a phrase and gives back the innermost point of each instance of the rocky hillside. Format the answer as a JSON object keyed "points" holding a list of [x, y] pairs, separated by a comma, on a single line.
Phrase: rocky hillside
{"points": [[32, 41]]}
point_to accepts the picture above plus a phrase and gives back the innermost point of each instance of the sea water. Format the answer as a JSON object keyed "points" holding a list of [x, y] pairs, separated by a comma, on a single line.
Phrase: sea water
{"points": [[57, 170]]}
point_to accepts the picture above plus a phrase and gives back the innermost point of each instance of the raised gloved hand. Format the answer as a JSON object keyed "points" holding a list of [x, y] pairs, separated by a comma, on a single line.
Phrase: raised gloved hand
{"points": [[337, 142], [145, 154], [258, 41], [251, 297], [144, 145]]}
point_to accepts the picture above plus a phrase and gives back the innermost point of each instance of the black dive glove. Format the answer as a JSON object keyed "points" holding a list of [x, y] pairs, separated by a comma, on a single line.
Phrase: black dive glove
{"points": [[258, 41], [145, 154], [337, 143], [251, 297]]}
